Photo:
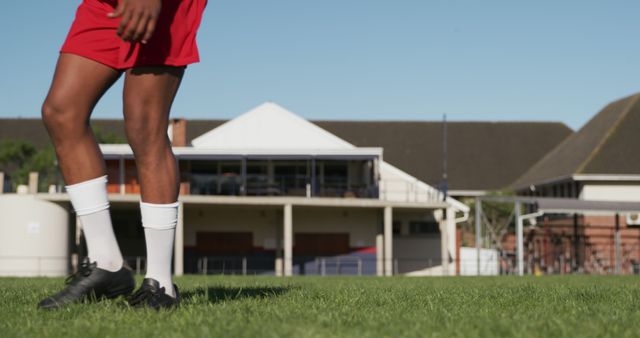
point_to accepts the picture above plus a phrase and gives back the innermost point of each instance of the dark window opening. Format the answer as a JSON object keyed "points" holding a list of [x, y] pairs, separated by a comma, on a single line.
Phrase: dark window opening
{"points": [[424, 228]]}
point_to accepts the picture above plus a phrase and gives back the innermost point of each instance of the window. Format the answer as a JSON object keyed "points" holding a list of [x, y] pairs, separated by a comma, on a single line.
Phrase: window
{"points": [[397, 227], [423, 228]]}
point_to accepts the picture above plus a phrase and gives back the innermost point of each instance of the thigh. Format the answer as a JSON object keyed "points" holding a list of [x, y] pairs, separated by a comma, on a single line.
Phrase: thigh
{"points": [[78, 84], [148, 95]]}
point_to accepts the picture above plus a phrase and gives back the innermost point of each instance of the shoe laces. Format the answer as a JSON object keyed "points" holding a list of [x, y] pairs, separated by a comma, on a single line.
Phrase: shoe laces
{"points": [[144, 294], [84, 271]]}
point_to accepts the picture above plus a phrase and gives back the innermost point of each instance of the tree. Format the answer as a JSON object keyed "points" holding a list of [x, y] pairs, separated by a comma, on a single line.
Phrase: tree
{"points": [[18, 158]]}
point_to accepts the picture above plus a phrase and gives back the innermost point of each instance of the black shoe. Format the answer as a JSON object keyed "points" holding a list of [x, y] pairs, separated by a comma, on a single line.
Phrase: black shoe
{"points": [[91, 282], [150, 294]]}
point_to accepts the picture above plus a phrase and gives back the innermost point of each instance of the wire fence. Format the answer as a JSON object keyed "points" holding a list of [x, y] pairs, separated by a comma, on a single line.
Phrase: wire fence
{"points": [[498, 265]]}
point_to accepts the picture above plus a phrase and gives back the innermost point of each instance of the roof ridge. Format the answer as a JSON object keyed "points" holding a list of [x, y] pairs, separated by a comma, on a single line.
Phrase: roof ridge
{"points": [[610, 132]]}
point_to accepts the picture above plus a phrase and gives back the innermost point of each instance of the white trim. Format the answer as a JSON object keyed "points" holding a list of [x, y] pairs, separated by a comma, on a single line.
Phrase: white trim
{"points": [[470, 193], [605, 177], [112, 151], [273, 201], [584, 177]]}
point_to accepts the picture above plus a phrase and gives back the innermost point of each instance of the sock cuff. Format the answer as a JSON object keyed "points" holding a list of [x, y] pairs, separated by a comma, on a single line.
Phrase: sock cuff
{"points": [[159, 216], [90, 196]]}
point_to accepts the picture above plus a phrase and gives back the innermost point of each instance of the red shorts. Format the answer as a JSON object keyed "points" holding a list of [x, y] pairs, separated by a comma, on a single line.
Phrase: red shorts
{"points": [[93, 35]]}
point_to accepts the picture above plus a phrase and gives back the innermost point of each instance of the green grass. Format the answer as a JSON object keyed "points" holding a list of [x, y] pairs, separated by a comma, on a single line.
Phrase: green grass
{"points": [[575, 306]]}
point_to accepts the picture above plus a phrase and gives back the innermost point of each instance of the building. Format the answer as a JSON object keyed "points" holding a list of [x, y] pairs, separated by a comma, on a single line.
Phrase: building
{"points": [[337, 180], [270, 192], [482, 156], [600, 162]]}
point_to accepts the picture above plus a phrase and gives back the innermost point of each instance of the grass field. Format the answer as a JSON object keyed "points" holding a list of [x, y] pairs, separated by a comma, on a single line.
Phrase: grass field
{"points": [[575, 306]]}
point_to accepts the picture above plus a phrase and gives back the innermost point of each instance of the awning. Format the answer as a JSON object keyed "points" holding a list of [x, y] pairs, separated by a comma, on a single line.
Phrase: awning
{"points": [[575, 206]]}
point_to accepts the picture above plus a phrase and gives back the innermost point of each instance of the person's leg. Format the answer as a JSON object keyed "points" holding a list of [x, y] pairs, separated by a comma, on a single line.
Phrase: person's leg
{"points": [[148, 95], [77, 86]]}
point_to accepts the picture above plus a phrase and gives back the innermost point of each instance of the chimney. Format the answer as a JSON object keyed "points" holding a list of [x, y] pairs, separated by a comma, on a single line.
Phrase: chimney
{"points": [[178, 132]]}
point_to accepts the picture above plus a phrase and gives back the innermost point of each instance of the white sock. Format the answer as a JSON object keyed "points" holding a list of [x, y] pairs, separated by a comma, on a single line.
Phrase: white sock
{"points": [[159, 222], [89, 199]]}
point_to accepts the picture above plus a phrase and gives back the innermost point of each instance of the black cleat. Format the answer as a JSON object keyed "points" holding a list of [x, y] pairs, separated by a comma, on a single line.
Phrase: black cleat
{"points": [[91, 282], [150, 294]]}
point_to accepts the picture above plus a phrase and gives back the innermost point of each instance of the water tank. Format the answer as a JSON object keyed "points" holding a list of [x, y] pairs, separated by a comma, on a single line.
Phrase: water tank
{"points": [[34, 237]]}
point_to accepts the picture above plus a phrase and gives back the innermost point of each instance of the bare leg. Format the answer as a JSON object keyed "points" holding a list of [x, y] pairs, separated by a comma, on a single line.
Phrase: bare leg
{"points": [[77, 86], [148, 95]]}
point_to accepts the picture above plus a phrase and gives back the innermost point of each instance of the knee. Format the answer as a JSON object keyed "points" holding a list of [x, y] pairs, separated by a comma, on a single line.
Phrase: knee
{"points": [[146, 137], [62, 121]]}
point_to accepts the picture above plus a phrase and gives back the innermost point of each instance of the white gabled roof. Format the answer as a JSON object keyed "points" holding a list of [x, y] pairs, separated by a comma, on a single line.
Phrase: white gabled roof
{"points": [[269, 126]]}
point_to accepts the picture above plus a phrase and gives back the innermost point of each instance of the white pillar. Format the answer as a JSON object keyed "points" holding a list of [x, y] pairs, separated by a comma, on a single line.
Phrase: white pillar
{"points": [[121, 174], [33, 182], [178, 246], [279, 263], [520, 240], [379, 250], [444, 242], [478, 232], [388, 241], [288, 240], [1, 182], [451, 242]]}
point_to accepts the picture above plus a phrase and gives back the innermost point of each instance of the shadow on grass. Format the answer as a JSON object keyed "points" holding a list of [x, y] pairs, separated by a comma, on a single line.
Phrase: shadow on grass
{"points": [[220, 294]]}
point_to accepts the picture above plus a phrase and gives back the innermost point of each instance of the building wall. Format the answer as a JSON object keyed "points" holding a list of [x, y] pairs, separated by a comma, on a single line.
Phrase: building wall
{"points": [[261, 222], [611, 191], [360, 224], [413, 253]]}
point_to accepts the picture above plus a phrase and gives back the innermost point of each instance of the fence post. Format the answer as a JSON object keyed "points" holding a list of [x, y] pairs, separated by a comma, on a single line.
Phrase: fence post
{"points": [[244, 266], [33, 182], [618, 250]]}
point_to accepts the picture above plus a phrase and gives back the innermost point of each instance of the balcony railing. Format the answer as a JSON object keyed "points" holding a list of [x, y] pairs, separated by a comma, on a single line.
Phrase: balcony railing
{"points": [[280, 185]]}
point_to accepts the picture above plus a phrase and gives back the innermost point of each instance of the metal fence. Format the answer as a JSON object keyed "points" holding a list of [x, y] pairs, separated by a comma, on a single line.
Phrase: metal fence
{"points": [[500, 265]]}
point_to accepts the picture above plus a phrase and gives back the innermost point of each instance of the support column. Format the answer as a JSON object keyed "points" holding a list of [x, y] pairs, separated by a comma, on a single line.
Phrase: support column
{"points": [[243, 169], [618, 242], [520, 240], [288, 240], [478, 232], [178, 246], [379, 250], [575, 260], [451, 241], [1, 182], [33, 182], [121, 176], [388, 241], [279, 268], [314, 183], [444, 242]]}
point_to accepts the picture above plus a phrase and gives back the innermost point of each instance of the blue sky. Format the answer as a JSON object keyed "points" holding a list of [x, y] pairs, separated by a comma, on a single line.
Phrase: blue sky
{"points": [[369, 59]]}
